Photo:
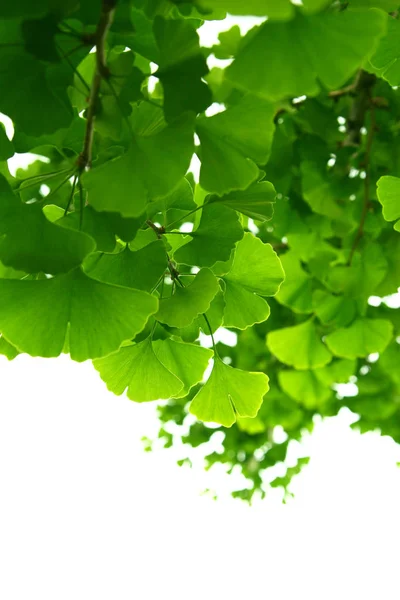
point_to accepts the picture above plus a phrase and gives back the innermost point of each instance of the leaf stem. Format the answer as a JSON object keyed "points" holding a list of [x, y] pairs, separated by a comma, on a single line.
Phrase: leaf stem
{"points": [[101, 71], [184, 217]]}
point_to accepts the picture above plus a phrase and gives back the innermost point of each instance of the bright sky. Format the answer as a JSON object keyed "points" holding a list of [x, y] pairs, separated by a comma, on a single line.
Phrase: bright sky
{"points": [[86, 513]]}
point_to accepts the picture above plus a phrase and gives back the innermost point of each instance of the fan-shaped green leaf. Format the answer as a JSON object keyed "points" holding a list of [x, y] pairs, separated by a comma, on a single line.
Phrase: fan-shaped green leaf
{"points": [[141, 269], [229, 392], [211, 243], [233, 142], [155, 162], [137, 368], [296, 290], [37, 316], [256, 271], [299, 346], [290, 59], [181, 68], [31, 243], [180, 309], [388, 192], [187, 361], [363, 337], [257, 202], [305, 387]]}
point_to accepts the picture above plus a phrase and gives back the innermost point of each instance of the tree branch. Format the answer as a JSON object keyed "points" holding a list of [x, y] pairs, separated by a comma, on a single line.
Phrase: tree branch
{"points": [[101, 71]]}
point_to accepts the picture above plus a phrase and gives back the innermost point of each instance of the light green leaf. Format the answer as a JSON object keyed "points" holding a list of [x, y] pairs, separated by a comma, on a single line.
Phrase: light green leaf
{"points": [[210, 242], [31, 243], [257, 202], [187, 361], [181, 68], [363, 337], [256, 271], [333, 310], [7, 349], [386, 58], [290, 59], [137, 368], [141, 269], [188, 302], [299, 346], [304, 387], [296, 290], [153, 166], [39, 317], [388, 192], [233, 142], [229, 393]]}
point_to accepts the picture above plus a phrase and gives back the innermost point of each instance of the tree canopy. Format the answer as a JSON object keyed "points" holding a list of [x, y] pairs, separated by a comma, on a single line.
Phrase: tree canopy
{"points": [[113, 250]]}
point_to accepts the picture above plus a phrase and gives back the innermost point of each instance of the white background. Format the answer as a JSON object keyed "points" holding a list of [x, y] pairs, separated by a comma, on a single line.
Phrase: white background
{"points": [[86, 513]]}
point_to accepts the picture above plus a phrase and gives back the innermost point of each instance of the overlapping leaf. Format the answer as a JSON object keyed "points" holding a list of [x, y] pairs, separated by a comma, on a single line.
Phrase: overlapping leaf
{"points": [[93, 318]]}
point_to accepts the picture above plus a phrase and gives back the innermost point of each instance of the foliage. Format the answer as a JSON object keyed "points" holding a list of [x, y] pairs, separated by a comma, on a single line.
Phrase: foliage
{"points": [[110, 250]]}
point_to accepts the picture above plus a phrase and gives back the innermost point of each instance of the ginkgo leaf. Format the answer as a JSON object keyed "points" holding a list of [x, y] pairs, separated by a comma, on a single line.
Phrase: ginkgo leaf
{"points": [[7, 349], [304, 387], [363, 337], [180, 309], [256, 271], [290, 59], [31, 243], [257, 202], [137, 368], [229, 393], [388, 192], [233, 142], [211, 243], [187, 361], [154, 164], [96, 224], [299, 346], [333, 310], [386, 58], [296, 290], [38, 317], [140, 269], [181, 68]]}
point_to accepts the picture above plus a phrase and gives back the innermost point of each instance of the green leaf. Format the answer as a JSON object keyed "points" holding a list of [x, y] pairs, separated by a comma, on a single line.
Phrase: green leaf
{"points": [[333, 310], [138, 369], [256, 271], [229, 393], [188, 302], [305, 387], [388, 192], [181, 68], [153, 166], [31, 243], [94, 223], [210, 242], [386, 58], [187, 361], [363, 337], [141, 269], [39, 317], [296, 290], [257, 202], [290, 59], [7, 349], [299, 346], [233, 142]]}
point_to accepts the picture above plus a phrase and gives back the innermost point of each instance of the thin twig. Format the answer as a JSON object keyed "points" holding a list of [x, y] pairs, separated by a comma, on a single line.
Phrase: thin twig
{"points": [[101, 71]]}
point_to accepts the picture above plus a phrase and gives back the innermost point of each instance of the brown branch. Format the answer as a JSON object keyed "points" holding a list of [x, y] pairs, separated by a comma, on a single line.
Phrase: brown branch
{"points": [[101, 71], [367, 182]]}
